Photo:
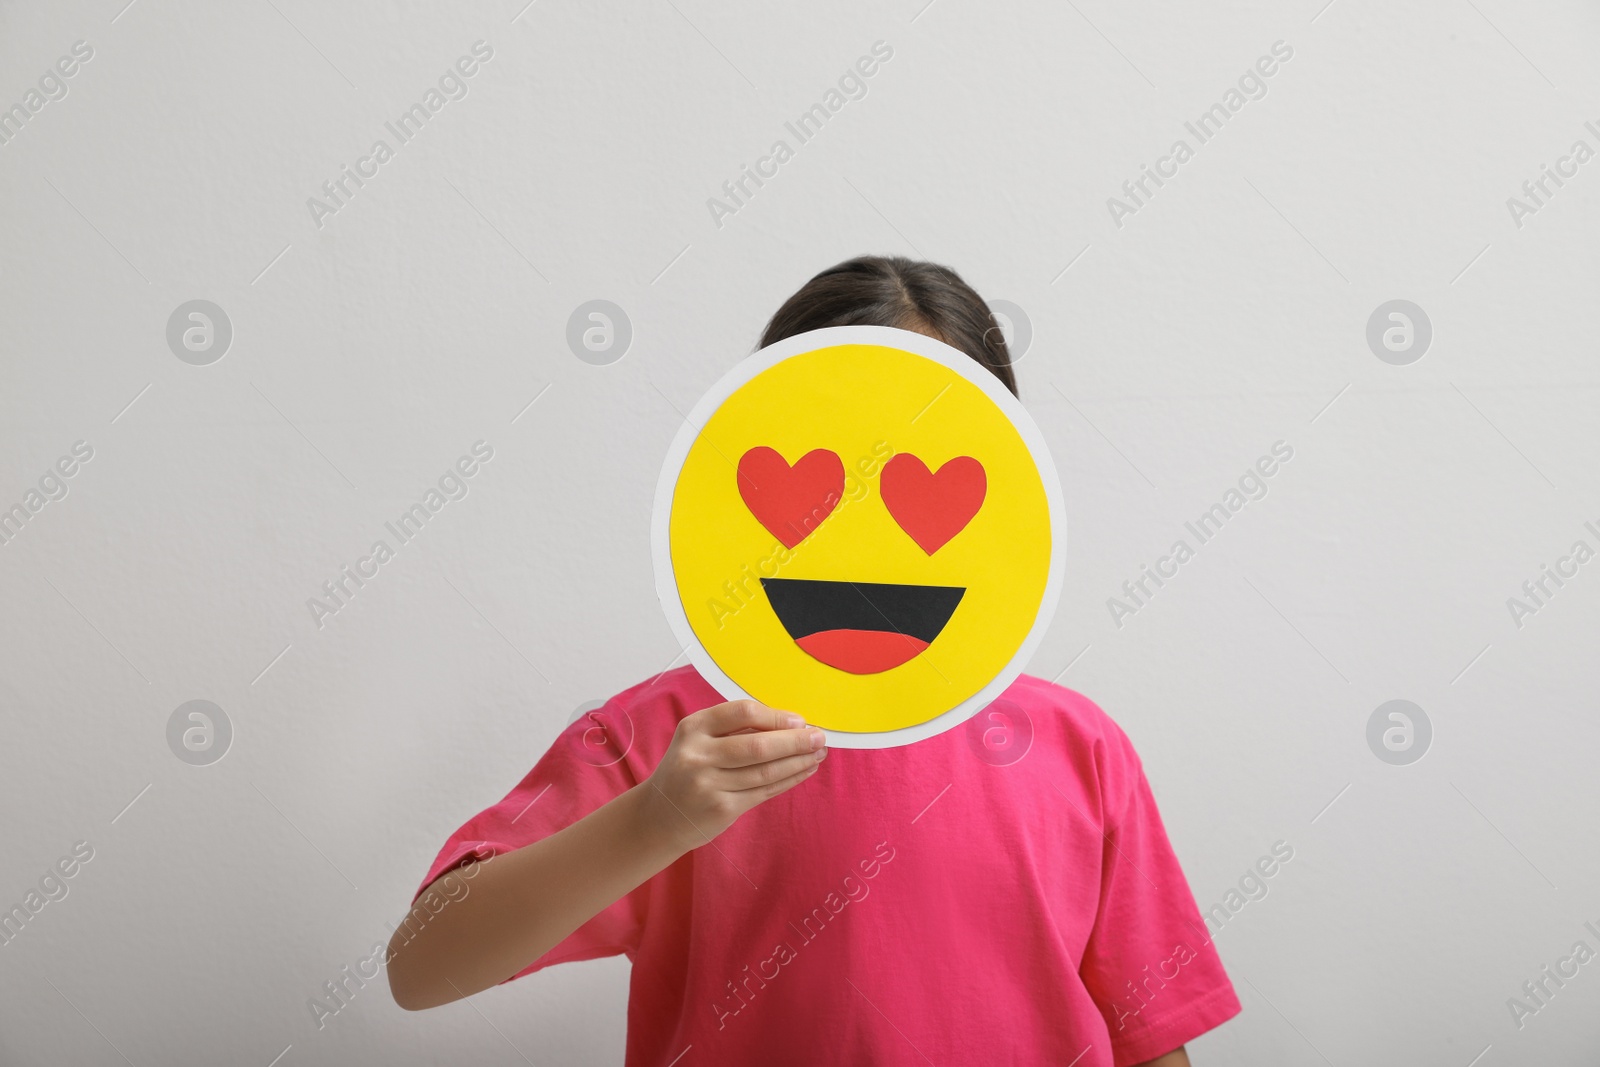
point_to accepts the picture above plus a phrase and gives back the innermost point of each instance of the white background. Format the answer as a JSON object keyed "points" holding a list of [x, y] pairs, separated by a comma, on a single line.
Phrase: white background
{"points": [[1227, 314]]}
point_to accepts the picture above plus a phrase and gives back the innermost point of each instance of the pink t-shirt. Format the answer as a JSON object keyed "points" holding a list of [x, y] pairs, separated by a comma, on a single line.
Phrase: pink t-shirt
{"points": [[1003, 893]]}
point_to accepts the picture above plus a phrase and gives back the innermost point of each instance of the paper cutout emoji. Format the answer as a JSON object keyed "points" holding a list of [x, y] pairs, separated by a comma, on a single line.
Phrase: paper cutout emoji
{"points": [[861, 525]]}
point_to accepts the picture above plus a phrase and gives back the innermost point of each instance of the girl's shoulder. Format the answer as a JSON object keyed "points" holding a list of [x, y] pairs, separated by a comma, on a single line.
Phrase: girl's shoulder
{"points": [[1077, 720], [1072, 708], [666, 697]]}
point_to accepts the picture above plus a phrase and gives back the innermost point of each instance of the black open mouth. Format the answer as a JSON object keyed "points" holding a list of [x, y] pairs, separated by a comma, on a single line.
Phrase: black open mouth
{"points": [[861, 627]]}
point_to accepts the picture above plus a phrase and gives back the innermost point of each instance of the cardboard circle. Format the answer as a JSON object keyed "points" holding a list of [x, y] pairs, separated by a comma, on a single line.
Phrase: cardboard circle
{"points": [[667, 587]]}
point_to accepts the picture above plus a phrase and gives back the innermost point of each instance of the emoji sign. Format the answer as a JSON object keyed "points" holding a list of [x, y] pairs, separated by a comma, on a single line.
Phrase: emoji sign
{"points": [[863, 526]]}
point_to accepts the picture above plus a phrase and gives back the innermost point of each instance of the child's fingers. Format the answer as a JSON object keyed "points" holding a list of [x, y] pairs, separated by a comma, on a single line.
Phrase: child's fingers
{"points": [[745, 750], [770, 772], [722, 719], [762, 793]]}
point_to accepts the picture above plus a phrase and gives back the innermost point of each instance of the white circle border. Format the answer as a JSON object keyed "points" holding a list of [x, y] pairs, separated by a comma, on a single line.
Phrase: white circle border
{"points": [[918, 344]]}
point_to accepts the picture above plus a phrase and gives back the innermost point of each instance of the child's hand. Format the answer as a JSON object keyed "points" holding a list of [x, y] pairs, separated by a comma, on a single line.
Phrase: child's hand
{"points": [[722, 762]]}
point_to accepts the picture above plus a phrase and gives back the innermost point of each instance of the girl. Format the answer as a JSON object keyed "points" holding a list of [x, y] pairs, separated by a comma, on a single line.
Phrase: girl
{"points": [[781, 905]]}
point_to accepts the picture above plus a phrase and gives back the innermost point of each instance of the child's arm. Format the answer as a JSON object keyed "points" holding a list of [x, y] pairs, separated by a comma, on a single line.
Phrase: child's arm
{"points": [[1176, 1058], [722, 762]]}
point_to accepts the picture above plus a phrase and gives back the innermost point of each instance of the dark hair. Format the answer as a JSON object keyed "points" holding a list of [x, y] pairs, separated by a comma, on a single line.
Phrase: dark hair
{"points": [[903, 293]]}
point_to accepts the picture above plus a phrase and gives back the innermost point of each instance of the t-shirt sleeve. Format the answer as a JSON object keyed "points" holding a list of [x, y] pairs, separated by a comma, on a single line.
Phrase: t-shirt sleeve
{"points": [[585, 767], [1149, 963]]}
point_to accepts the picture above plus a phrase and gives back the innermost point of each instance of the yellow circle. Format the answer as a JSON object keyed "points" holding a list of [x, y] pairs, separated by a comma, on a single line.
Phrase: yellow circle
{"points": [[869, 405]]}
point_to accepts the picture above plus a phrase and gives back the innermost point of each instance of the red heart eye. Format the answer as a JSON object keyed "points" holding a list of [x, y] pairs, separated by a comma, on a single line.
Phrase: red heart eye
{"points": [[932, 507], [790, 501]]}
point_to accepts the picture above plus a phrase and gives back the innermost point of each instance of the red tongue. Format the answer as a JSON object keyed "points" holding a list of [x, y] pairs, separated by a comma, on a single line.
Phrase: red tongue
{"points": [[861, 651]]}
